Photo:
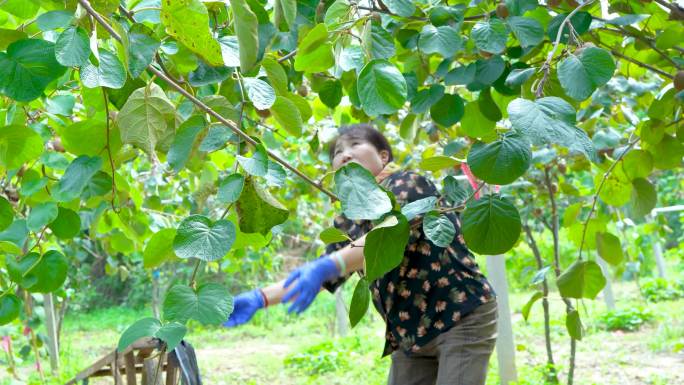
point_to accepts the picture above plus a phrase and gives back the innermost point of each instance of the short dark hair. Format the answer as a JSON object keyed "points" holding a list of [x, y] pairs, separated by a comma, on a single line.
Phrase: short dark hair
{"points": [[363, 131]]}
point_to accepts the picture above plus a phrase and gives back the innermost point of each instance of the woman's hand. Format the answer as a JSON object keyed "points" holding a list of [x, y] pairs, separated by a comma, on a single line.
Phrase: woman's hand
{"points": [[310, 278], [244, 306]]}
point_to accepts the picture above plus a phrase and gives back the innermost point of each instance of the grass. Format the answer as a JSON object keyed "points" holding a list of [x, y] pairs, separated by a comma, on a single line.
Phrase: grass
{"points": [[277, 348]]}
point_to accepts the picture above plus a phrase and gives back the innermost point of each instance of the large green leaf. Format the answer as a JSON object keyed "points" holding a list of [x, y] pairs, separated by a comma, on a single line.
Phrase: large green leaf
{"points": [[71, 47], [574, 325], [159, 248], [644, 197], [76, 177], [502, 161], [528, 305], [260, 93], [109, 73], [198, 237], [276, 75], [581, 21], [448, 110], [609, 248], [172, 333], [230, 188], [39, 274], [454, 191], [491, 225], [359, 303], [581, 74], [439, 229], [528, 31], [89, 137], [403, 8], [148, 119], [210, 304], [18, 145], [188, 21], [6, 214], [184, 142], [314, 53], [359, 193], [444, 40], [418, 207], [378, 42], [52, 20], [617, 188], [258, 210], [550, 120], [41, 215], [381, 87], [10, 306], [333, 235], [257, 165], [475, 124], [637, 164], [287, 115], [141, 48], [583, 279], [28, 67], [424, 99], [246, 29], [67, 224], [385, 244], [490, 35]]}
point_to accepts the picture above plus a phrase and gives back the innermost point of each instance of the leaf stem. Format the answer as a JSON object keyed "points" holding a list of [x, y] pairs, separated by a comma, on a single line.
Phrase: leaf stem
{"points": [[109, 151]]}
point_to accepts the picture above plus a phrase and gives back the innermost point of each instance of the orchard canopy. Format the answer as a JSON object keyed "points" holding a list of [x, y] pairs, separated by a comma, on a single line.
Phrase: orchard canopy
{"points": [[189, 129]]}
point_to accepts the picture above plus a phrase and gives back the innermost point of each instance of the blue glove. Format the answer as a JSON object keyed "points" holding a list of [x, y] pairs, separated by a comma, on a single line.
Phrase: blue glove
{"points": [[244, 306], [310, 277]]}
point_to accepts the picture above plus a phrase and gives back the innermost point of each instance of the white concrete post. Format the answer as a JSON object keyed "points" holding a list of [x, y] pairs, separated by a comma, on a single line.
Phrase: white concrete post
{"points": [[341, 313], [608, 289], [658, 254], [505, 345], [51, 326]]}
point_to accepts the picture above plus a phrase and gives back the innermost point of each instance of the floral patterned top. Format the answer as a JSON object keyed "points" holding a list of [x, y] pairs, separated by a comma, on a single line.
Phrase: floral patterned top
{"points": [[432, 288]]}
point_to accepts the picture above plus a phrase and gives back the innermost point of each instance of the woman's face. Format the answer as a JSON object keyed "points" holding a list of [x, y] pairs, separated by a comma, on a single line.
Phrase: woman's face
{"points": [[349, 149]]}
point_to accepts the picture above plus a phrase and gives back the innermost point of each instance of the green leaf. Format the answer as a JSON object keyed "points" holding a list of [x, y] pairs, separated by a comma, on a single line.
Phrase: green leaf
{"points": [[41, 215], [276, 75], [381, 87], [146, 327], [617, 188], [574, 325], [289, 11], [10, 306], [488, 106], [72, 48], [276, 174], [211, 304], [609, 248], [76, 178], [257, 165], [418, 207], [378, 41], [159, 248], [337, 10], [454, 191], [67, 224], [9, 36], [424, 99], [581, 21], [474, 124], [260, 93], [519, 7], [198, 237], [258, 210], [52, 20], [528, 305], [333, 235], [314, 53], [359, 193], [287, 115], [637, 164], [359, 303], [216, 138], [580, 75], [500, 162], [188, 22], [222, 106], [667, 153], [550, 120], [644, 198], [147, 120], [330, 93], [519, 76], [403, 8], [491, 225], [439, 229], [444, 40], [172, 333], [490, 35], [6, 214], [461, 75], [28, 67], [448, 110], [246, 29], [230, 188], [18, 145], [109, 73], [385, 244], [141, 48], [39, 274], [438, 162], [528, 31], [89, 137], [583, 279], [184, 141], [487, 72]]}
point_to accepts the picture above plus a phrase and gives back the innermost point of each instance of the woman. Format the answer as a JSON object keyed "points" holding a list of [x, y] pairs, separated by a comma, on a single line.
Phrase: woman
{"points": [[439, 309]]}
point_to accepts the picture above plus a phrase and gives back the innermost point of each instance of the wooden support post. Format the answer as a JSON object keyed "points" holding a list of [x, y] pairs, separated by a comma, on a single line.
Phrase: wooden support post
{"points": [[51, 325], [171, 369], [505, 346], [130, 368], [341, 314]]}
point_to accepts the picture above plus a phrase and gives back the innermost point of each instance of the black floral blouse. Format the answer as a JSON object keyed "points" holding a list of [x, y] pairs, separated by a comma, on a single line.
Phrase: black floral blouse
{"points": [[432, 288]]}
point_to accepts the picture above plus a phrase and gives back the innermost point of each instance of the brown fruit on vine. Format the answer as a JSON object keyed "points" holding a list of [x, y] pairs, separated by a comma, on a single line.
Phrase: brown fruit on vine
{"points": [[554, 188], [434, 136], [573, 3], [679, 81], [537, 212], [302, 91], [263, 113], [502, 10]]}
